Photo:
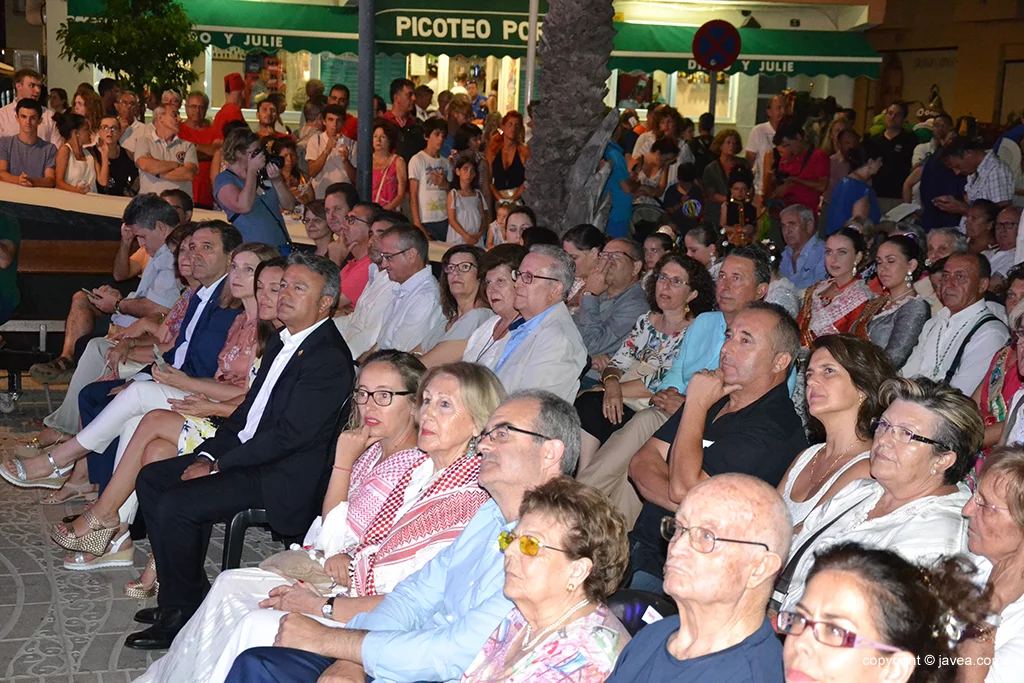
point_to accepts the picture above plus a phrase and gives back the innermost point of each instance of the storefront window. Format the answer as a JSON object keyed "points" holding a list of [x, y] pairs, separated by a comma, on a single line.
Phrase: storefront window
{"points": [[693, 95]]}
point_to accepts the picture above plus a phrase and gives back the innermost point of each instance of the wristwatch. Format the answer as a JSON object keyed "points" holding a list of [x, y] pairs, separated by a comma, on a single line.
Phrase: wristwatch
{"points": [[328, 609], [117, 306]]}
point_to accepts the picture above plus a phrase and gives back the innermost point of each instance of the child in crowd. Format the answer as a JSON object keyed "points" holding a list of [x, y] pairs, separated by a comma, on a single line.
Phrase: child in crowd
{"points": [[496, 230], [428, 183], [466, 209], [684, 201], [739, 217]]}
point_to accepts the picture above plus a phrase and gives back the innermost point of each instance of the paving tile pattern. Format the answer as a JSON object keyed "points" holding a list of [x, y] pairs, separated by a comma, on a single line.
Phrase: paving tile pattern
{"points": [[64, 626]]}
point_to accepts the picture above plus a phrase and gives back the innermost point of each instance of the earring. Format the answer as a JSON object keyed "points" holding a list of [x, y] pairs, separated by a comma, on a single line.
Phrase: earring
{"points": [[909, 278], [934, 472], [571, 587], [711, 261], [686, 310]]}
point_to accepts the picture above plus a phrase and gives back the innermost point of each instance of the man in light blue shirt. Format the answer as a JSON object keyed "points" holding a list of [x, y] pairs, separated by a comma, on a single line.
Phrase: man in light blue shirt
{"points": [[803, 259], [435, 622]]}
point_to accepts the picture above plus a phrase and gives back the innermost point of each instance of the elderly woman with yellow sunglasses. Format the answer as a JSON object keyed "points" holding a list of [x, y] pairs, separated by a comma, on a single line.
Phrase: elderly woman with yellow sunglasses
{"points": [[567, 554]]}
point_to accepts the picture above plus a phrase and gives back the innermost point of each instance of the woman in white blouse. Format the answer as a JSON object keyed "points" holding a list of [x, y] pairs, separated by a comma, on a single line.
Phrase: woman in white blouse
{"points": [[462, 302], [843, 378], [924, 445], [386, 437], [996, 532], [485, 345]]}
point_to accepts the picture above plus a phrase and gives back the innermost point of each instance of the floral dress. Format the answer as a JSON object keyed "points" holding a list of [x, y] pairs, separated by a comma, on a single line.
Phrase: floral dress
{"points": [[650, 352], [235, 365], [582, 651]]}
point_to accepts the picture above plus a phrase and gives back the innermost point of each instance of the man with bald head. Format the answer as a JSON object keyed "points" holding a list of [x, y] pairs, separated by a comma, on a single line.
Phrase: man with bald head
{"points": [[736, 419], [957, 344], [727, 542]]}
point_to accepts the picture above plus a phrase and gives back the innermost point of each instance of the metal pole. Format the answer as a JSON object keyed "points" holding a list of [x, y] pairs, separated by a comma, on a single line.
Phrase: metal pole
{"points": [[712, 92], [367, 56], [531, 54]]}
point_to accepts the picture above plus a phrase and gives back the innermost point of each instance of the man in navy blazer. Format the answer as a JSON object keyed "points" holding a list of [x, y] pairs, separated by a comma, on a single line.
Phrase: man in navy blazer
{"points": [[200, 339], [274, 452]]}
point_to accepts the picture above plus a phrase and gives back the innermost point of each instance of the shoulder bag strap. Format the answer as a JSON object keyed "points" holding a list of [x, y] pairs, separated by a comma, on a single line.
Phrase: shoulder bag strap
{"points": [[383, 179], [985, 319]]}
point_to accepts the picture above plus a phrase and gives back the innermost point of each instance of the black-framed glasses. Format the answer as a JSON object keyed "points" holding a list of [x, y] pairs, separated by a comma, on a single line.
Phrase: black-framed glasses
{"points": [[388, 257], [675, 281], [826, 633], [528, 545], [501, 433], [702, 540], [881, 426], [528, 277], [614, 256], [1007, 225], [381, 397], [463, 267], [352, 218]]}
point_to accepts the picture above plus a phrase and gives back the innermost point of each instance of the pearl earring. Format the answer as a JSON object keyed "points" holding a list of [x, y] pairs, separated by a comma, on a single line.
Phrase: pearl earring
{"points": [[571, 587], [934, 472], [910, 278]]}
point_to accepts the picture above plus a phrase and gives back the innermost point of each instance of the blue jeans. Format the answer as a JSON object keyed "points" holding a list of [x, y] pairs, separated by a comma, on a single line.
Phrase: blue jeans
{"points": [[643, 581]]}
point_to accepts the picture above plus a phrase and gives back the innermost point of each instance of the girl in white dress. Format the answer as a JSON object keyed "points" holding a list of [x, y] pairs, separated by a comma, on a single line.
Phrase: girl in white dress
{"points": [[76, 170], [466, 209]]}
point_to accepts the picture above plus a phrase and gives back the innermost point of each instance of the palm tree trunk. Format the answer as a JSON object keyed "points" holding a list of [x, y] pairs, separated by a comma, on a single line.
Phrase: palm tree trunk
{"points": [[574, 51]]}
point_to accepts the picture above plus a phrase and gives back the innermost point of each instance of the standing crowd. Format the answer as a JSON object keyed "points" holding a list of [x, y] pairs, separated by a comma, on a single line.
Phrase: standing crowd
{"points": [[660, 451]]}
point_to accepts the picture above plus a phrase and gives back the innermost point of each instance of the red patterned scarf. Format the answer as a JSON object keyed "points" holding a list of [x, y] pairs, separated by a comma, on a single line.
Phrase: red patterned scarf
{"points": [[436, 517]]}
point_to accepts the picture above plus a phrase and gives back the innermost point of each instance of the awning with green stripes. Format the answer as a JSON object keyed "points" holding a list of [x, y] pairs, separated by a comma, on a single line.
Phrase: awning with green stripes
{"points": [[648, 47], [462, 27]]}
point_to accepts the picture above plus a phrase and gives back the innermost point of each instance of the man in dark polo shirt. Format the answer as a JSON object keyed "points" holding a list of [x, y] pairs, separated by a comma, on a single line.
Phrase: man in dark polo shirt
{"points": [[895, 146], [738, 418]]}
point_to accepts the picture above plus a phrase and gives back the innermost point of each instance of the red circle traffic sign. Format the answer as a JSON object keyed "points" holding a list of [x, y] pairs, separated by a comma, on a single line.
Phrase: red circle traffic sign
{"points": [[716, 45]]}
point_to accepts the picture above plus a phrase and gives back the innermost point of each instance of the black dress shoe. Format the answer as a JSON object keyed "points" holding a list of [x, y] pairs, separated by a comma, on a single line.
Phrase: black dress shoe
{"points": [[160, 635], [150, 615]]}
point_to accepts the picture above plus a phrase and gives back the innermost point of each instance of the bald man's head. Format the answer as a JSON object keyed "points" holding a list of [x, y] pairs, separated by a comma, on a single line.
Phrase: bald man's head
{"points": [[733, 575]]}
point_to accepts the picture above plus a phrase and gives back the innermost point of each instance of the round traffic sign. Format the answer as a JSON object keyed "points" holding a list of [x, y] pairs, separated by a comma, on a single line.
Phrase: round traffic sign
{"points": [[716, 45]]}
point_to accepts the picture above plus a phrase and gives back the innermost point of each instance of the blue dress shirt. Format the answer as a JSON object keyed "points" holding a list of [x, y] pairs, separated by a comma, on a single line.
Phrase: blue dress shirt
{"points": [[518, 332], [431, 627], [810, 264]]}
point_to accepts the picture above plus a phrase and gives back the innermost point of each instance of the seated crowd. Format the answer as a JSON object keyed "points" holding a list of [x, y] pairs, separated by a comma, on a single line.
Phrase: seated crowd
{"points": [[586, 457]]}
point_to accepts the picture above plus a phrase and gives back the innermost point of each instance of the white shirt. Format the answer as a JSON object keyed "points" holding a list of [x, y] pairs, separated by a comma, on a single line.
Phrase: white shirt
{"points": [[130, 135], [993, 181], [643, 144], [414, 310], [942, 336], [1001, 261], [204, 294], [760, 142], [176, 150], [333, 170], [361, 328], [919, 531], [1009, 657], [292, 342], [47, 127]]}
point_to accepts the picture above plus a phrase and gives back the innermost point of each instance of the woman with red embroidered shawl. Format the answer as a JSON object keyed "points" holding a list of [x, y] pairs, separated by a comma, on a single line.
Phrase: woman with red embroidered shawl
{"points": [[833, 305], [397, 497]]}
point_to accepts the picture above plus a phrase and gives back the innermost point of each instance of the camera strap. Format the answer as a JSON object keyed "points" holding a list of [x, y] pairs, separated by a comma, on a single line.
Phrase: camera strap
{"points": [[277, 214]]}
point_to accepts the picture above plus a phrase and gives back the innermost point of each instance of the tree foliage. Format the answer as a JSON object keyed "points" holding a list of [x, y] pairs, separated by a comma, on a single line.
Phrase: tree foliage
{"points": [[141, 43]]}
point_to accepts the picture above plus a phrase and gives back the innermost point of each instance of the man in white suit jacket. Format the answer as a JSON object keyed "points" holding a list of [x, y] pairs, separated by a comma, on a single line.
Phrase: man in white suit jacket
{"points": [[544, 350]]}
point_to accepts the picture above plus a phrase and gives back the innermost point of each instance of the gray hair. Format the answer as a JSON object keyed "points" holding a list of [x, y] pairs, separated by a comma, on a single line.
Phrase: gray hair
{"points": [[806, 215], [159, 110], [322, 266], [564, 268], [200, 94], [636, 250], [558, 420], [410, 237], [171, 91], [959, 238]]}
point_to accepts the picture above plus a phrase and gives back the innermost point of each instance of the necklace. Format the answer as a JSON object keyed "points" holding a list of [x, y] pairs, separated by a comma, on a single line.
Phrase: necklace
{"points": [[894, 299], [939, 360], [527, 645], [815, 481]]}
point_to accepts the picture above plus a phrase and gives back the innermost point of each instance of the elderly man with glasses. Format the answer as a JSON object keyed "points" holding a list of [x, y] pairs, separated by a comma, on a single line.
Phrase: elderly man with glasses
{"points": [[543, 349], [433, 624], [612, 303], [726, 543]]}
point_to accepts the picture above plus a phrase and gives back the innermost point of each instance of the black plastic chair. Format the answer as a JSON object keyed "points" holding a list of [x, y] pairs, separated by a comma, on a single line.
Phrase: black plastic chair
{"points": [[630, 606]]}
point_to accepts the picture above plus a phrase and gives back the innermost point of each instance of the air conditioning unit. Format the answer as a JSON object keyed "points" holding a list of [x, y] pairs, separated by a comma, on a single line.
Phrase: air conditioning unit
{"points": [[26, 59]]}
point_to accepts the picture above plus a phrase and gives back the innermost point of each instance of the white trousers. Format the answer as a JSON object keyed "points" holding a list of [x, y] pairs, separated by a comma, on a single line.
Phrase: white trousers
{"points": [[228, 622], [91, 366], [119, 421]]}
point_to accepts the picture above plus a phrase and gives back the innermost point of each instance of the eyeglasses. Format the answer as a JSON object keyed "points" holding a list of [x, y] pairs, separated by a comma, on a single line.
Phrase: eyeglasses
{"points": [[793, 624], [388, 257], [614, 256], [902, 434], [1007, 225], [980, 502], [463, 267], [528, 277], [113, 129], [528, 545], [500, 434], [351, 218], [675, 282], [382, 397], [702, 540]]}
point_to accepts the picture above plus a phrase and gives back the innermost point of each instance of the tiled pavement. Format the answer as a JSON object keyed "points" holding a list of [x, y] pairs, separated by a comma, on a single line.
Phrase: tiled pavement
{"points": [[58, 625]]}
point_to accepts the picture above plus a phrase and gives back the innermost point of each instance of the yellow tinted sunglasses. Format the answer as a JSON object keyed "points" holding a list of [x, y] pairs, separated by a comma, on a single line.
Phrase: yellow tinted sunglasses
{"points": [[528, 545]]}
